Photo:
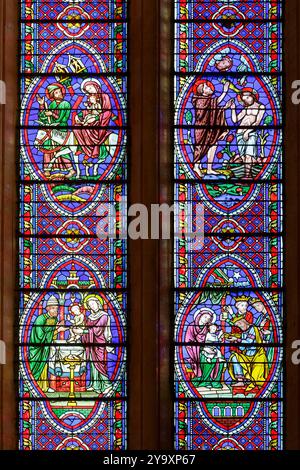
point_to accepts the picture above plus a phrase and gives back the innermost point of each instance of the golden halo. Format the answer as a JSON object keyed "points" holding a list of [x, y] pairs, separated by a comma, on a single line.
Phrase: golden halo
{"points": [[92, 297]]}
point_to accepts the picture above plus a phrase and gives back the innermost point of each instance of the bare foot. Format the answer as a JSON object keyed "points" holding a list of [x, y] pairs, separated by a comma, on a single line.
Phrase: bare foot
{"points": [[210, 170], [198, 171]]}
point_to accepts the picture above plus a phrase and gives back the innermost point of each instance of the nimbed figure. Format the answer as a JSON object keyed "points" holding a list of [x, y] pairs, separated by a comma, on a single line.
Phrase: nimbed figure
{"points": [[210, 117], [249, 119]]}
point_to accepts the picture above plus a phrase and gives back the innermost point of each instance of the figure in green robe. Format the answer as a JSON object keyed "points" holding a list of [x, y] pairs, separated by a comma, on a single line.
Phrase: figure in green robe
{"points": [[43, 333], [56, 144]]}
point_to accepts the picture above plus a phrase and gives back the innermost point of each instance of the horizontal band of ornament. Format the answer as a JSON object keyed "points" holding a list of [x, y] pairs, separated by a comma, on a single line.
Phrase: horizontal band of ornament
{"points": [[71, 74], [227, 288], [223, 21], [266, 39], [228, 74], [250, 181], [61, 344], [72, 183], [71, 127], [96, 399], [88, 236], [71, 289], [229, 345], [225, 400], [260, 127], [91, 236], [93, 41], [78, 21]]}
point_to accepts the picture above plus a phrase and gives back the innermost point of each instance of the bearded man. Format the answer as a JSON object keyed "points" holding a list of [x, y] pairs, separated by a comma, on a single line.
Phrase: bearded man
{"points": [[210, 117]]}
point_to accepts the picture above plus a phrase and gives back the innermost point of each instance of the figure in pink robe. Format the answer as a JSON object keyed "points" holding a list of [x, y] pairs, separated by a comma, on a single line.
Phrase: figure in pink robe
{"points": [[207, 372], [196, 333]]}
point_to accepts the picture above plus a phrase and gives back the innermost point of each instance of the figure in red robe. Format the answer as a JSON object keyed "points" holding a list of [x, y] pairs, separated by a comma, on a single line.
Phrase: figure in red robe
{"points": [[92, 135], [210, 117]]}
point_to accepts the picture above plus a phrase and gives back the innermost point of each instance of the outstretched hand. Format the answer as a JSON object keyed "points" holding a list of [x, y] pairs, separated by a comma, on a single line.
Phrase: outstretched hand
{"points": [[61, 329], [226, 86], [230, 104], [40, 99]]}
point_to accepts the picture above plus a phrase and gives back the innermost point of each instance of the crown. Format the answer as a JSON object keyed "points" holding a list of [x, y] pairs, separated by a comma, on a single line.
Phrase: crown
{"points": [[255, 301], [242, 298]]}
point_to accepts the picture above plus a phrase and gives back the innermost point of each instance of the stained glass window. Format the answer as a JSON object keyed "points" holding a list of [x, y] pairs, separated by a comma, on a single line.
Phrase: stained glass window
{"points": [[228, 341], [72, 173]]}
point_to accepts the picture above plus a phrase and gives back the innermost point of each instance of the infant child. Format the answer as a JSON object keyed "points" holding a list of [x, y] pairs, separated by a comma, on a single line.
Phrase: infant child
{"points": [[213, 336], [78, 323], [94, 110]]}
